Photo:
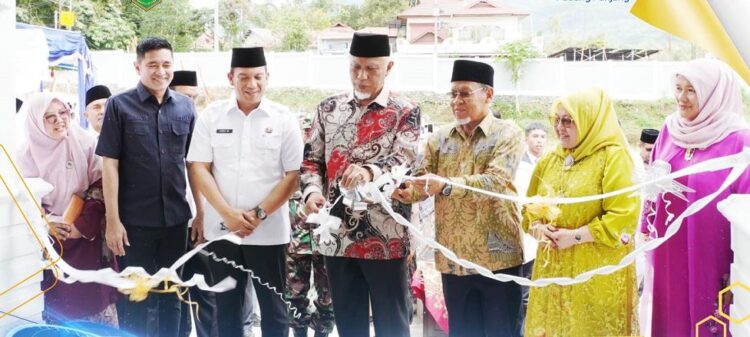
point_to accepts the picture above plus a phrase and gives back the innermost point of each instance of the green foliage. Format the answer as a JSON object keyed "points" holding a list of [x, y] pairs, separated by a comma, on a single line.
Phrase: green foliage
{"points": [[36, 12], [514, 55], [295, 36], [236, 17], [117, 24], [349, 15], [100, 21], [105, 28], [295, 25], [378, 13], [175, 21]]}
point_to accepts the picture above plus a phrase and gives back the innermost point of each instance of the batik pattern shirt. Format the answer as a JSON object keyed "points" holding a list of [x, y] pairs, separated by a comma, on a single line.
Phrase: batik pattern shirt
{"points": [[380, 136], [477, 227]]}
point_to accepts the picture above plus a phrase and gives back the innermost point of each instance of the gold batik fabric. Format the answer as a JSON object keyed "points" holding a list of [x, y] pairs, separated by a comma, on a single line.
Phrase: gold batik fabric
{"points": [[476, 227]]}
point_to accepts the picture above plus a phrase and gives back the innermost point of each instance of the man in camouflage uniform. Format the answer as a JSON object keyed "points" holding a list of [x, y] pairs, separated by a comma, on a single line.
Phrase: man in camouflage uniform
{"points": [[300, 263]]}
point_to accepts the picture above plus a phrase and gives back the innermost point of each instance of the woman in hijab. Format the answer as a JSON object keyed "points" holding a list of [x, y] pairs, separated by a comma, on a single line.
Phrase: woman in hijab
{"points": [[592, 158], [692, 267], [62, 154]]}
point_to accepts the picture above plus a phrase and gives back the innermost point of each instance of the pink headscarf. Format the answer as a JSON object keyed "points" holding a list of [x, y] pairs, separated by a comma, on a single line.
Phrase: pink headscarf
{"points": [[719, 102], [47, 158]]}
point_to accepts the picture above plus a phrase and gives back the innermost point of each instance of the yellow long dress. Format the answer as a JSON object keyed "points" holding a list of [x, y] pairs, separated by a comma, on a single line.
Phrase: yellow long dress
{"points": [[604, 305]]}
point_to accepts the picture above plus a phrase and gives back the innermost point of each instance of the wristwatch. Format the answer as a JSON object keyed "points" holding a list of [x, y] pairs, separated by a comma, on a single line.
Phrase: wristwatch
{"points": [[260, 213], [577, 237], [446, 191]]}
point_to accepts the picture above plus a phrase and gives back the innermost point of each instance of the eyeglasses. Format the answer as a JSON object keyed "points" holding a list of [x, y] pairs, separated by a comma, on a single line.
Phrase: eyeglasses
{"points": [[566, 122], [60, 114], [462, 94]]}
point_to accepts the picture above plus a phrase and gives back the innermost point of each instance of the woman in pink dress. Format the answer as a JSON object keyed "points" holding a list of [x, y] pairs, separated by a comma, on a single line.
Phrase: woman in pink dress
{"points": [[692, 267], [62, 154]]}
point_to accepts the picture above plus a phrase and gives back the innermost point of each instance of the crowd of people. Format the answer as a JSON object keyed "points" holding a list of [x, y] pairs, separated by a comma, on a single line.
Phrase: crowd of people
{"points": [[154, 177]]}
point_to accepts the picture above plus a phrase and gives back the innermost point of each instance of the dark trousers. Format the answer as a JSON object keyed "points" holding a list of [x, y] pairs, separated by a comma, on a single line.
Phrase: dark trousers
{"points": [[267, 263], [355, 283], [205, 320], [153, 249], [526, 270], [480, 306]]}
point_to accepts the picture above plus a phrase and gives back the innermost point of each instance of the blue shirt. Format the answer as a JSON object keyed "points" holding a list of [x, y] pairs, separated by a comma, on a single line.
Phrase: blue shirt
{"points": [[151, 142]]}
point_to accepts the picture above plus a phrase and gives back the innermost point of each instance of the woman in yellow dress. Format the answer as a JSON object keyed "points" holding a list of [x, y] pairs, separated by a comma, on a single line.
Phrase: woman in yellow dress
{"points": [[592, 159]]}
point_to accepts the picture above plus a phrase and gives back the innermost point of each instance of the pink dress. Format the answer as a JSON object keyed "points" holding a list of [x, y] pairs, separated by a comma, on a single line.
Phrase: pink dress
{"points": [[693, 266]]}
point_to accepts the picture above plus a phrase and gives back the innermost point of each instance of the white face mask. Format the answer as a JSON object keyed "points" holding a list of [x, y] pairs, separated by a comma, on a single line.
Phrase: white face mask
{"points": [[463, 121], [361, 95]]}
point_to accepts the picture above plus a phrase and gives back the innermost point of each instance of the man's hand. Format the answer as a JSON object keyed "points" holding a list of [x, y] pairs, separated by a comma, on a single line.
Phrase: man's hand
{"points": [[354, 176], [117, 237], [405, 193], [252, 218], [314, 203], [428, 184], [196, 233], [235, 222]]}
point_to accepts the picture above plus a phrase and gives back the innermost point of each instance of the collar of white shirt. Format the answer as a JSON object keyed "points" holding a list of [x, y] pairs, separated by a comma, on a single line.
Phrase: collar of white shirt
{"points": [[265, 106], [532, 158]]}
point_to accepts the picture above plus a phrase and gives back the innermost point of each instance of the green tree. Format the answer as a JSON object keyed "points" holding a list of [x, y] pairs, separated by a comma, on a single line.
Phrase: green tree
{"points": [[514, 56], [295, 37], [349, 15], [236, 17], [36, 12], [173, 20], [100, 21], [378, 13], [103, 25], [295, 24]]}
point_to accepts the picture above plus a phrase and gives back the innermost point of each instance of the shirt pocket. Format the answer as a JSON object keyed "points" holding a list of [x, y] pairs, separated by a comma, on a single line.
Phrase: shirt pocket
{"points": [[137, 140], [222, 146], [179, 137], [270, 145]]}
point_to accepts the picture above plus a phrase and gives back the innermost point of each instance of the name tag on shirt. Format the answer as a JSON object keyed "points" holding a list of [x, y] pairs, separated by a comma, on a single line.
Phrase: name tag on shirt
{"points": [[224, 130]]}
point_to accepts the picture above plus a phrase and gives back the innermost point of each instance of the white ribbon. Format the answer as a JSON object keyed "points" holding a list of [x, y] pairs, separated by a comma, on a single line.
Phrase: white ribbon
{"points": [[121, 280], [326, 225], [739, 159], [738, 163]]}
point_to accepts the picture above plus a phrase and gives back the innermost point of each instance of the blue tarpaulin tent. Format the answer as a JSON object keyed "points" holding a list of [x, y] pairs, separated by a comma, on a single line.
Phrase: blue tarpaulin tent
{"points": [[64, 43]]}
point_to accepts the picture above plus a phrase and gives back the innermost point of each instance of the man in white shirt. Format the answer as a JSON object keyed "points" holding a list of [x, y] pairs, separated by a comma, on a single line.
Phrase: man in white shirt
{"points": [[246, 153], [536, 140]]}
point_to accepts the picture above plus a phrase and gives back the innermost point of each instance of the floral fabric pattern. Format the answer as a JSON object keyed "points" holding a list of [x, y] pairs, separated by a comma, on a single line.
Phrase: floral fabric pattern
{"points": [[380, 136]]}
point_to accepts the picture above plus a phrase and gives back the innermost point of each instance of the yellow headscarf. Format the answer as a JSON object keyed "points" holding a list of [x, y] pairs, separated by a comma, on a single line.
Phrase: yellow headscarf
{"points": [[594, 114]]}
